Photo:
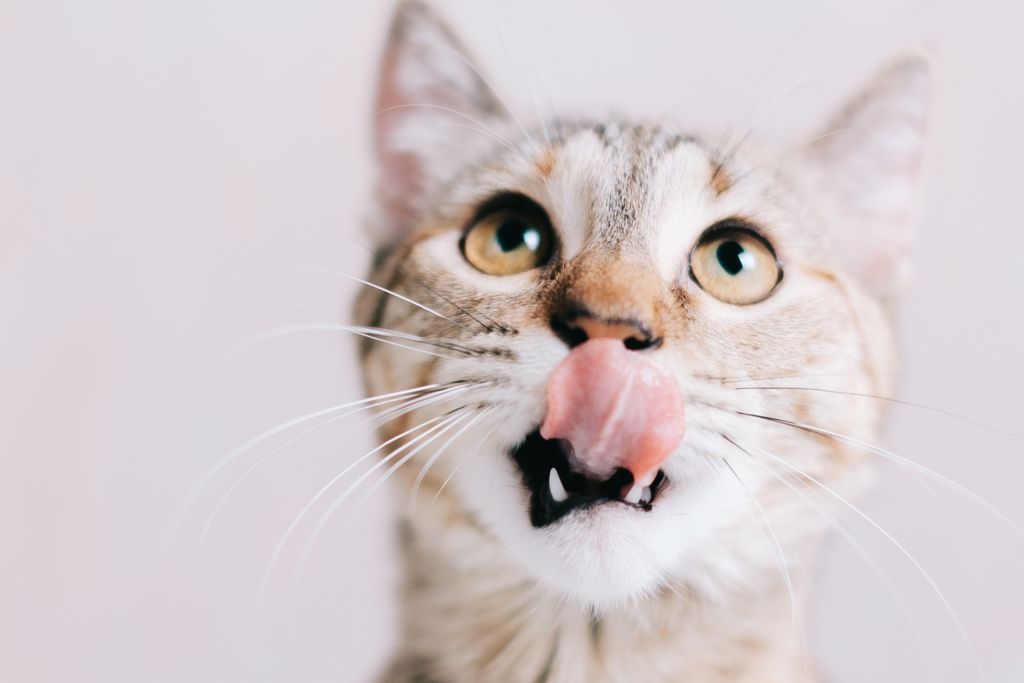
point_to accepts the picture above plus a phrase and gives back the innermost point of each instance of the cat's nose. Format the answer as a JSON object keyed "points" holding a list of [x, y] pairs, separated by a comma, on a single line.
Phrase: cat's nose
{"points": [[576, 327], [611, 296]]}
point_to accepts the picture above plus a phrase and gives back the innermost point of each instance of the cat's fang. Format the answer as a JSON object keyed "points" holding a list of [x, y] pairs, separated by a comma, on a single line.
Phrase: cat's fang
{"points": [[645, 495], [636, 493], [558, 493]]}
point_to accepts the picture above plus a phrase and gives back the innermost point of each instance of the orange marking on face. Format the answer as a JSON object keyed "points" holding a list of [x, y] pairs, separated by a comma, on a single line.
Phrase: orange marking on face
{"points": [[546, 162], [720, 180]]}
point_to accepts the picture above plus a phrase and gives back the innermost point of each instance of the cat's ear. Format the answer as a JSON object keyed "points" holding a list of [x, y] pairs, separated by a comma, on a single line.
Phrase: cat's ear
{"points": [[867, 166], [430, 97]]}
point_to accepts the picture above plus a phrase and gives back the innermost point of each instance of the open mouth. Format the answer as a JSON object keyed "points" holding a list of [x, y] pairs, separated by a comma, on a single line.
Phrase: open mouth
{"points": [[556, 489]]}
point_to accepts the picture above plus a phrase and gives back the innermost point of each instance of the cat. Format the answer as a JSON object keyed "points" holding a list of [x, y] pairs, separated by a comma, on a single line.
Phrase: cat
{"points": [[620, 366]]}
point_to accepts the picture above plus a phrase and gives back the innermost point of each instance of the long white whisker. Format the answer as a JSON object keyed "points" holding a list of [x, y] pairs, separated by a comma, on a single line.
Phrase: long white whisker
{"points": [[786, 48], [882, 575], [750, 131], [308, 546], [900, 460], [439, 342], [421, 402], [284, 538], [888, 400], [780, 560], [522, 70], [394, 294], [459, 464], [424, 285], [227, 495], [197, 488], [813, 375], [927, 577], [404, 346], [380, 482], [390, 414], [374, 333], [435, 456]]}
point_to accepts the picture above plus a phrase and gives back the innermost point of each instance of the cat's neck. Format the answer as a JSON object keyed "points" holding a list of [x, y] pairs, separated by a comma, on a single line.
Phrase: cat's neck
{"points": [[470, 614]]}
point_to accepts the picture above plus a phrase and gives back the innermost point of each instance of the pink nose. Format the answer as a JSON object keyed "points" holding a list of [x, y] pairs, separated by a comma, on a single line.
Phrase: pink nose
{"points": [[617, 408]]}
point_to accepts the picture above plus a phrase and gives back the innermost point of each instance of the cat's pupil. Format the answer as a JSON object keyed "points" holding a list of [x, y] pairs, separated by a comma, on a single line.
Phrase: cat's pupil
{"points": [[514, 233], [730, 257]]}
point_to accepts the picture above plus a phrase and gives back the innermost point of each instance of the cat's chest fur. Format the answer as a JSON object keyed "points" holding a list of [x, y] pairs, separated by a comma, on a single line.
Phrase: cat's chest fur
{"points": [[624, 365]]}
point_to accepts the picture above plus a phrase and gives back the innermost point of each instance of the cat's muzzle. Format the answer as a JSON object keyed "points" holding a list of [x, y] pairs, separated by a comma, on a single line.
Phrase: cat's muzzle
{"points": [[556, 489]]}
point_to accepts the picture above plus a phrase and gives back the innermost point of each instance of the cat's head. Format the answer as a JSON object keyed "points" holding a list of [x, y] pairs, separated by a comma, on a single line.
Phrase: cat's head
{"points": [[646, 354]]}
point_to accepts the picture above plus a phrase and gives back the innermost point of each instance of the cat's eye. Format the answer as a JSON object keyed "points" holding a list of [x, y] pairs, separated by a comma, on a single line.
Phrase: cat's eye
{"points": [[512, 236], [735, 265]]}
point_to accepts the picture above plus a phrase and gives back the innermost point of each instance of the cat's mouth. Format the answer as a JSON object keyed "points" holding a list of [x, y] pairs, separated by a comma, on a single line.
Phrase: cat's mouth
{"points": [[556, 489]]}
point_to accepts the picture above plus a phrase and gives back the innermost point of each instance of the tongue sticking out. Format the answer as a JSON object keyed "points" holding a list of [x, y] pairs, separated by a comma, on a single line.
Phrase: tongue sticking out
{"points": [[618, 408]]}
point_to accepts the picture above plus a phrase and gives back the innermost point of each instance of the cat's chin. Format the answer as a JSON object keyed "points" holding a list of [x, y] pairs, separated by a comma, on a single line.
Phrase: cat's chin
{"points": [[600, 553], [604, 554]]}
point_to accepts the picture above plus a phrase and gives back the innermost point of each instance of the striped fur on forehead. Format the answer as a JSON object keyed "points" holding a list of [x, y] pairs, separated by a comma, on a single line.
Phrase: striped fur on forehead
{"points": [[642, 188], [629, 173]]}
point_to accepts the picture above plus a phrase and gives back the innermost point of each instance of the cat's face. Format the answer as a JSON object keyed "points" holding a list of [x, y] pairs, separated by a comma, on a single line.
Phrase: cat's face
{"points": [[742, 276]]}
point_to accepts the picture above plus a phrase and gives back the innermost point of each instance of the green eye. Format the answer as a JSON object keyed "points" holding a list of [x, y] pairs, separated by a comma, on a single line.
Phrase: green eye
{"points": [[508, 241], [735, 266]]}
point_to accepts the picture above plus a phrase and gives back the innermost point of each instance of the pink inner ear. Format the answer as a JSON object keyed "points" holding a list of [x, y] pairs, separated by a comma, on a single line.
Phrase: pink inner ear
{"points": [[401, 173], [400, 184]]}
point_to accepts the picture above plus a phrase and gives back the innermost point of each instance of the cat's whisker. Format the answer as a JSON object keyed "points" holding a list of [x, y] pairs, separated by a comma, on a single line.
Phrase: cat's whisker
{"points": [[455, 469], [397, 296], [795, 84], [889, 400], [368, 332], [668, 585], [750, 131], [897, 544], [718, 161], [379, 338], [421, 283], [780, 559], [380, 482], [899, 460], [391, 413], [424, 285], [373, 333], [883, 576], [529, 89], [421, 402], [295, 522], [423, 472], [437, 431], [497, 25], [790, 376], [212, 471]]}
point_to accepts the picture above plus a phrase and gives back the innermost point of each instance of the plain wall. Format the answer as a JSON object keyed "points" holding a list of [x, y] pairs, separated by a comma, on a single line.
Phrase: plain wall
{"points": [[178, 177]]}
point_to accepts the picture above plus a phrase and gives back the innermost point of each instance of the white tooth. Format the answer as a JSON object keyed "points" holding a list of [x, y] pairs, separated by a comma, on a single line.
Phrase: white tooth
{"points": [[645, 497], [557, 490], [634, 494]]}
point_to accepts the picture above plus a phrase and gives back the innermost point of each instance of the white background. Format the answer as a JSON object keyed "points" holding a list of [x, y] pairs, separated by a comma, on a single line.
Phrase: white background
{"points": [[172, 173]]}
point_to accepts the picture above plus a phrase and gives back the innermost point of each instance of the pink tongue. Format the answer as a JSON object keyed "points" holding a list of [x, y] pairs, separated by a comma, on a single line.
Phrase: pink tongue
{"points": [[618, 408]]}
